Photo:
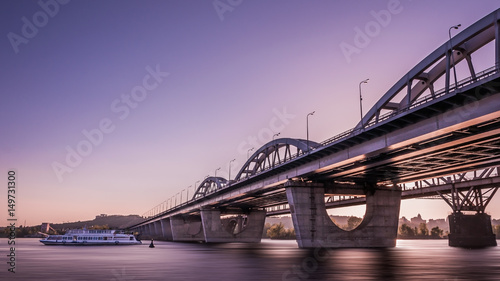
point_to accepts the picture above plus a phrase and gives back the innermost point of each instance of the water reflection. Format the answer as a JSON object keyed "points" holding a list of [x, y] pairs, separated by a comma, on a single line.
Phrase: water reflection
{"points": [[269, 260]]}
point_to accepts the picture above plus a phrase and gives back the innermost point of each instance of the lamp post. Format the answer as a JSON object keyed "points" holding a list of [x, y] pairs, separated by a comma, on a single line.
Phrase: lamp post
{"points": [[307, 129], [451, 53], [216, 171], [229, 177], [275, 135], [248, 152], [180, 201], [275, 150], [187, 193], [361, 101], [195, 188]]}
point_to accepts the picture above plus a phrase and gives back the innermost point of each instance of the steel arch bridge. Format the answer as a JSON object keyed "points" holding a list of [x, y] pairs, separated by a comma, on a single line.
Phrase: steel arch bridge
{"points": [[413, 133], [412, 98]]}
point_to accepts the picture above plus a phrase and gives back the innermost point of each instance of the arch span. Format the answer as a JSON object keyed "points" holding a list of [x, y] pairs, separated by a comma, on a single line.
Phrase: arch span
{"points": [[274, 153], [423, 76], [209, 185]]}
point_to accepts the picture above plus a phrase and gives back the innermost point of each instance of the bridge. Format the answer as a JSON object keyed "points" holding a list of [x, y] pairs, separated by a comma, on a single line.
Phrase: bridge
{"points": [[416, 141]]}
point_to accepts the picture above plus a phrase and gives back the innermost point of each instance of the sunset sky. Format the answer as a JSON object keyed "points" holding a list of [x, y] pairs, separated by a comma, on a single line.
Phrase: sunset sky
{"points": [[156, 95]]}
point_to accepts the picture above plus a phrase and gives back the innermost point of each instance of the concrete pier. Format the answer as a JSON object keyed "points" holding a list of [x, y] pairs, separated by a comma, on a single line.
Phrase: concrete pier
{"points": [[471, 231], [166, 229], [158, 233], [237, 229], [186, 228], [314, 228]]}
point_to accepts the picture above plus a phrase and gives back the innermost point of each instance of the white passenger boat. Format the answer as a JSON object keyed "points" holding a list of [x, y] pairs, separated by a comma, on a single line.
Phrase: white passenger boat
{"points": [[91, 237]]}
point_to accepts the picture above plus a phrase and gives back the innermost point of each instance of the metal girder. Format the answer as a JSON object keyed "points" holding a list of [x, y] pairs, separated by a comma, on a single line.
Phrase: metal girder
{"points": [[475, 200], [274, 153]]}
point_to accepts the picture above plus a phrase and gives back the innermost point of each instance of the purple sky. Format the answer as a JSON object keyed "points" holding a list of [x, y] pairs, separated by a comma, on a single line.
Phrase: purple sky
{"points": [[178, 89]]}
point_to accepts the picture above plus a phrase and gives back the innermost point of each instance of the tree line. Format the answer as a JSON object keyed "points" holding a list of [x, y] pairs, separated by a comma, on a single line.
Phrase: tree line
{"points": [[406, 231]]}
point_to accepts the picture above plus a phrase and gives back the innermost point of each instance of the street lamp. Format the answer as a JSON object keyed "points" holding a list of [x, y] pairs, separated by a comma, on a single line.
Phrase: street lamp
{"points": [[195, 188], [275, 149], [275, 135], [216, 171], [307, 129], [249, 151], [229, 177], [187, 193], [451, 53], [361, 101], [180, 201]]}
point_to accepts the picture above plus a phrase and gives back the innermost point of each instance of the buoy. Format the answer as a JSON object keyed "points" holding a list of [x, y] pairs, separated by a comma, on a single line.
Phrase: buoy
{"points": [[151, 245]]}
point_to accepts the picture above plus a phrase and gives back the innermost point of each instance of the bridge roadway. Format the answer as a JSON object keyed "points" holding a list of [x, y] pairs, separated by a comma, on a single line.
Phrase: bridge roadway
{"points": [[428, 134]]}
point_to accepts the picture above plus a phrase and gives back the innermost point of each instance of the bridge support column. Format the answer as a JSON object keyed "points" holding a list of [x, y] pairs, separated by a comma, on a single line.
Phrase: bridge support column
{"points": [[151, 230], [471, 231], [186, 228], [157, 228], [314, 228], [236, 229], [142, 230], [166, 229]]}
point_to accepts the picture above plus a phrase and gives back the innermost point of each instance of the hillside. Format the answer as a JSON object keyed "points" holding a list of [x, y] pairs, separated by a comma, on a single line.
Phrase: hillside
{"points": [[112, 221]]}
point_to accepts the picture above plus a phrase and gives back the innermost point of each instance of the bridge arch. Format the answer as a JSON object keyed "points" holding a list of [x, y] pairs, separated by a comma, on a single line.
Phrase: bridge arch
{"points": [[209, 185], [421, 78], [272, 154]]}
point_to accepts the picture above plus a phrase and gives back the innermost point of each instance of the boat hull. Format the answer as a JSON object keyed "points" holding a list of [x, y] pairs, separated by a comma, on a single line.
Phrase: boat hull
{"points": [[78, 243], [91, 237]]}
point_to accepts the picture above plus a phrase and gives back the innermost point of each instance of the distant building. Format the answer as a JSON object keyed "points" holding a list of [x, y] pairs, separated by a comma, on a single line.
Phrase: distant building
{"points": [[404, 220], [417, 220], [441, 223], [101, 216]]}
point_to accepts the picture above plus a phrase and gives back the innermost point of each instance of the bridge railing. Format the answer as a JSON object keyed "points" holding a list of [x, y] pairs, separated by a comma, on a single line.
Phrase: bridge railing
{"points": [[348, 133]]}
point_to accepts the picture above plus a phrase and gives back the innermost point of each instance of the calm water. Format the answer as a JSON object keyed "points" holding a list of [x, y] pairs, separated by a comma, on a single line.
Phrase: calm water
{"points": [[269, 260]]}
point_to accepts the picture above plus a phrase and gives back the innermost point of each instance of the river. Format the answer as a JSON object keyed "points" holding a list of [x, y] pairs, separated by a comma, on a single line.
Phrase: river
{"points": [[269, 260]]}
